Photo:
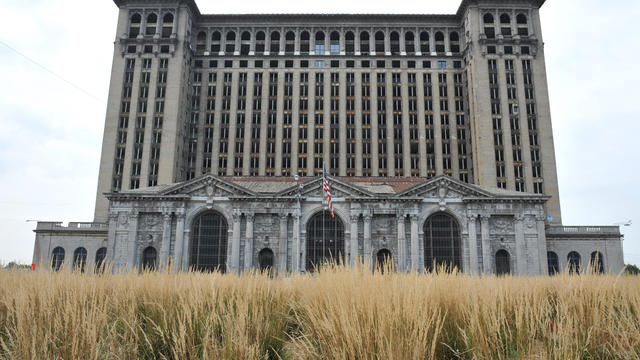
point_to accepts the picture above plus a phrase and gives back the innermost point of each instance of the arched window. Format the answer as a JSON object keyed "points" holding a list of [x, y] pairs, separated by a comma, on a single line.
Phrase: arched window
{"points": [[209, 242], [442, 242], [424, 43], [489, 28], [597, 262], [152, 21], [245, 43], [454, 42], [304, 43], [383, 260], [265, 259], [364, 43], [439, 42], [260, 42], [57, 258], [290, 43], [134, 26], [79, 259], [553, 266], [215, 42], [505, 24], [334, 43], [379, 43], [574, 262], [319, 43], [523, 27], [503, 262], [101, 255], [274, 48], [167, 25], [325, 240], [201, 41], [230, 42], [149, 258], [395, 43], [409, 43], [349, 43]]}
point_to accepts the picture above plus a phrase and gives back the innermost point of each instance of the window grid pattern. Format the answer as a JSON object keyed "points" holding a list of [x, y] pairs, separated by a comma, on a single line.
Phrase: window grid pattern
{"points": [[209, 244], [158, 118], [514, 121], [532, 123], [494, 88], [123, 125], [325, 240], [442, 242]]}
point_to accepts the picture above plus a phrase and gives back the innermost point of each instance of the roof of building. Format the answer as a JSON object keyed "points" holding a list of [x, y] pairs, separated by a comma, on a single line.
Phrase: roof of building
{"points": [[463, 5]]}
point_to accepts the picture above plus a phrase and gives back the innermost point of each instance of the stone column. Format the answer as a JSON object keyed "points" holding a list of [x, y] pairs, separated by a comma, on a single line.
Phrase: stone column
{"points": [[235, 243], [282, 250], [473, 244], [367, 239], [112, 241], [166, 240], [252, 43], [180, 257], [295, 252], [353, 248], [296, 43], [486, 245], [402, 254], [403, 45], [185, 249], [248, 243], [415, 248], [132, 246], [387, 44], [542, 245], [521, 261]]}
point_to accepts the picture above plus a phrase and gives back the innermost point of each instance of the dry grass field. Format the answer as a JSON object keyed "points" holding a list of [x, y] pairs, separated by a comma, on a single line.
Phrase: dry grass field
{"points": [[337, 313]]}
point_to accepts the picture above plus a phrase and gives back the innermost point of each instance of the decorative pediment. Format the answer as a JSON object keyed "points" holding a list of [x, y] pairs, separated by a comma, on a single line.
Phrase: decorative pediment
{"points": [[209, 186], [443, 187], [313, 188]]}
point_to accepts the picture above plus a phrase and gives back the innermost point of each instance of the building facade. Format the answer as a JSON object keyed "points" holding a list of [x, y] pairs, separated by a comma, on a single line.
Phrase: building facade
{"points": [[435, 131]]}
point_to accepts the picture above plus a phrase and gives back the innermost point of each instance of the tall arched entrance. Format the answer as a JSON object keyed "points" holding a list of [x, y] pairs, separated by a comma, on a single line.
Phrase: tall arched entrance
{"points": [[209, 242], [325, 240], [442, 242]]}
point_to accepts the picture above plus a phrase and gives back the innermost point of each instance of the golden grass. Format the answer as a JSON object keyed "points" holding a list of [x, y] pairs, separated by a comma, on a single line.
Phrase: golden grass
{"points": [[338, 313]]}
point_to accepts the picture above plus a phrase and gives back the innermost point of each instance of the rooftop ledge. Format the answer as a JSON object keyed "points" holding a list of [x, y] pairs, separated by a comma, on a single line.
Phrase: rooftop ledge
{"points": [[583, 230], [72, 226]]}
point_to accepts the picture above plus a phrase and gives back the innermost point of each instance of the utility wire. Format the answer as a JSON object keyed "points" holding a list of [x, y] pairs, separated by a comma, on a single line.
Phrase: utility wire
{"points": [[52, 72]]}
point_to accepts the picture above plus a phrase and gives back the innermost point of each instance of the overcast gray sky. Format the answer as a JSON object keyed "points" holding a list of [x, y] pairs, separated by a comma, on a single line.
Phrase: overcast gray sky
{"points": [[51, 131]]}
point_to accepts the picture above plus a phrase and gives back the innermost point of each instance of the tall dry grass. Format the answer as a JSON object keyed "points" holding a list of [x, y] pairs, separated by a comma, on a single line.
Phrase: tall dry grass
{"points": [[338, 313]]}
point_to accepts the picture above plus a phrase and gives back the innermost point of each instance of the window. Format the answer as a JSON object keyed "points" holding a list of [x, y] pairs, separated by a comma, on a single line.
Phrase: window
{"points": [[209, 248], [442, 243], [553, 267], [101, 255], [325, 240], [573, 259], [597, 262], [79, 259], [442, 64], [57, 258]]}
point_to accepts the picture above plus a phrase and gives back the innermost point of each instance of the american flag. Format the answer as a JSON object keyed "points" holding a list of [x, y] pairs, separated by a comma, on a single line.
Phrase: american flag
{"points": [[325, 188]]}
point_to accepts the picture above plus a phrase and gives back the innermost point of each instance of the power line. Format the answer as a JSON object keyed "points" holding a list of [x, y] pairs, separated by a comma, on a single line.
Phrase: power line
{"points": [[52, 72]]}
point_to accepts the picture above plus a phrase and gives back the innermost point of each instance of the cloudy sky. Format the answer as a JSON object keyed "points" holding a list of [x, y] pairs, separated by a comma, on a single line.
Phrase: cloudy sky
{"points": [[53, 101]]}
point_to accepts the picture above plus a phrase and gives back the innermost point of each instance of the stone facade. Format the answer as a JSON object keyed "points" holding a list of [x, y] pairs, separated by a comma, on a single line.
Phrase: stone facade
{"points": [[412, 115], [376, 214]]}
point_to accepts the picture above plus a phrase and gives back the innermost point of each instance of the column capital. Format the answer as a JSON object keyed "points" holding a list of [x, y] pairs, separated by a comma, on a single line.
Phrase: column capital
{"points": [[354, 217], [518, 217], [249, 216], [236, 215], [367, 217], [166, 216], [472, 217], [400, 214], [485, 217], [414, 217], [283, 216]]}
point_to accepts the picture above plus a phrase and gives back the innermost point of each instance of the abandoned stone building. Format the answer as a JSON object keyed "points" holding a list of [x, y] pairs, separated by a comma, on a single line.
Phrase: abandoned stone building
{"points": [[435, 131]]}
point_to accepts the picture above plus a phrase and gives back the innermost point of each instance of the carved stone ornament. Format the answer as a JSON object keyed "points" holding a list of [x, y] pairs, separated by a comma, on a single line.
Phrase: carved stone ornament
{"points": [[501, 225], [442, 194], [123, 220], [210, 191]]}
